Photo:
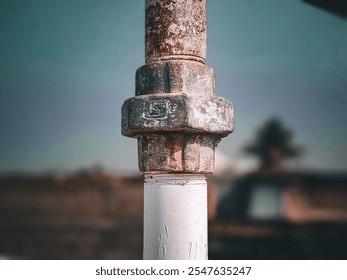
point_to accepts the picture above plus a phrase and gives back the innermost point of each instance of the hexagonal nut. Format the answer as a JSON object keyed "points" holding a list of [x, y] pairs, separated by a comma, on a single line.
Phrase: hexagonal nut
{"points": [[191, 153], [177, 113], [185, 76]]}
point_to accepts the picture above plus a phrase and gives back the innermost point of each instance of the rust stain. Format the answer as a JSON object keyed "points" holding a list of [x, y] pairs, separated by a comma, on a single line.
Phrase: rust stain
{"points": [[180, 31], [175, 115]]}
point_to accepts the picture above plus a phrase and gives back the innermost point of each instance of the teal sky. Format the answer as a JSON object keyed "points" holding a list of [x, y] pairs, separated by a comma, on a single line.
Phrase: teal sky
{"points": [[67, 67]]}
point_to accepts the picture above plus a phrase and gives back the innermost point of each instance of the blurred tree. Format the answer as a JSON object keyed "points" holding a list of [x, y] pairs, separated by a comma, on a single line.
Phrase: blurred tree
{"points": [[272, 144]]}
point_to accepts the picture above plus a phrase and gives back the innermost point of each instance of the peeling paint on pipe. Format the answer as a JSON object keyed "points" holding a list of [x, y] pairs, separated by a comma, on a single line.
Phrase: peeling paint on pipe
{"points": [[175, 218]]}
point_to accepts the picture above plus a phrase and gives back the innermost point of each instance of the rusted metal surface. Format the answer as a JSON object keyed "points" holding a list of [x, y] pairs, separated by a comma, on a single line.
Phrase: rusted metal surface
{"points": [[175, 76], [191, 153], [175, 29], [175, 114]]}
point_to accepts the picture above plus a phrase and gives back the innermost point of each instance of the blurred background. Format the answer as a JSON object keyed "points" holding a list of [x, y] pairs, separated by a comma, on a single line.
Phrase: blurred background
{"points": [[69, 182]]}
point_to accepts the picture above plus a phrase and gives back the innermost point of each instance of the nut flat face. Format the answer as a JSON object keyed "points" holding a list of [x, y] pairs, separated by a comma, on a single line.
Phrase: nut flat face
{"points": [[189, 77], [191, 153], [153, 113], [212, 115], [177, 113]]}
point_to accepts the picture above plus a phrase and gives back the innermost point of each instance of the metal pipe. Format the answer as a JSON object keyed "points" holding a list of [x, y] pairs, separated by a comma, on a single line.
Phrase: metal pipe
{"points": [[178, 122], [175, 30], [175, 217]]}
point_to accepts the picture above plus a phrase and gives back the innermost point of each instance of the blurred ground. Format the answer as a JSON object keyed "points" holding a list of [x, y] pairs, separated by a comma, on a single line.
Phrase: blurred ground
{"points": [[269, 212]]}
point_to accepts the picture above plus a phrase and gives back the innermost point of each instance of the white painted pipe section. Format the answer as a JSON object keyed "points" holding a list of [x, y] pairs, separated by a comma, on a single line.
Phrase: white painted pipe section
{"points": [[175, 217]]}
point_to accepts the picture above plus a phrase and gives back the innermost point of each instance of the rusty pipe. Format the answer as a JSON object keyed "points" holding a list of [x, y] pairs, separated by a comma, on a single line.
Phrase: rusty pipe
{"points": [[178, 122], [175, 30]]}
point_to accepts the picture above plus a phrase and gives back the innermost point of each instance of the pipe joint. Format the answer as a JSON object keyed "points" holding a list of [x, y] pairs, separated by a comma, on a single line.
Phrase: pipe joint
{"points": [[175, 76], [175, 114]]}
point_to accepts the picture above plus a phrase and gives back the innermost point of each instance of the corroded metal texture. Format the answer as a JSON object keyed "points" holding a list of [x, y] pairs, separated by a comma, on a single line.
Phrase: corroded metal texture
{"points": [[175, 76], [175, 114], [175, 29], [193, 153]]}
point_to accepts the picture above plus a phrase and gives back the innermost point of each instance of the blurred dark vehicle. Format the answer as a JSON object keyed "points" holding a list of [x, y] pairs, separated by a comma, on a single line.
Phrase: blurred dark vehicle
{"points": [[278, 213]]}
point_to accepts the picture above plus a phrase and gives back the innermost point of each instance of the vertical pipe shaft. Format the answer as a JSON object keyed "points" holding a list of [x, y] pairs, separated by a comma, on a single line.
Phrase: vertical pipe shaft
{"points": [[178, 122], [175, 30], [175, 217], [175, 205]]}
